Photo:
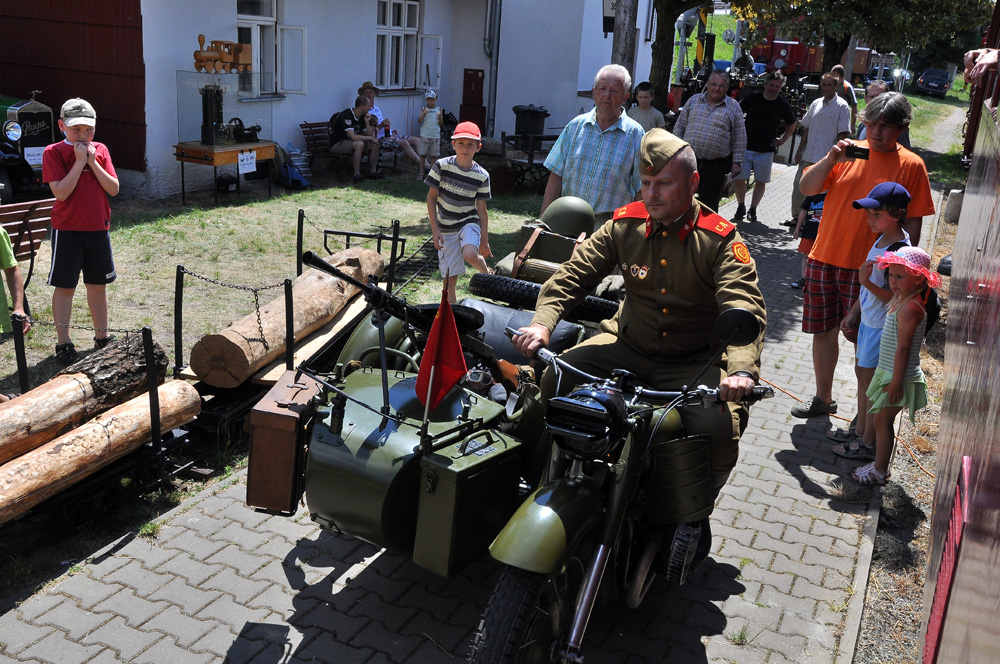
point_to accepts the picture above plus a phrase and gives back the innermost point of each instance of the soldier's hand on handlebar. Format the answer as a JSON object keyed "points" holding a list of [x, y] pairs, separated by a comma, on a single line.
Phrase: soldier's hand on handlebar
{"points": [[529, 339], [735, 388]]}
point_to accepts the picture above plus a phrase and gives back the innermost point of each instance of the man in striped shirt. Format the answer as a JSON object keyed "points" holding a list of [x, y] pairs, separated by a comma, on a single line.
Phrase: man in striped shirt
{"points": [[595, 157], [712, 123], [456, 207]]}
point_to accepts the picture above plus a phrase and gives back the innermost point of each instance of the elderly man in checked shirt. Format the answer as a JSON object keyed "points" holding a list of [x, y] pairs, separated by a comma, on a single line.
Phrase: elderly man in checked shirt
{"points": [[712, 123], [596, 154]]}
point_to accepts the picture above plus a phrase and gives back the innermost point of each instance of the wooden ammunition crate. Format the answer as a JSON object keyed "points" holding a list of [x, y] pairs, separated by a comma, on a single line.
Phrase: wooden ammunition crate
{"points": [[278, 428]]}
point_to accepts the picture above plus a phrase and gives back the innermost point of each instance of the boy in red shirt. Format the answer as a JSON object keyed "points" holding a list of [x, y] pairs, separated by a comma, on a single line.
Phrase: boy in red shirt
{"points": [[81, 176]]}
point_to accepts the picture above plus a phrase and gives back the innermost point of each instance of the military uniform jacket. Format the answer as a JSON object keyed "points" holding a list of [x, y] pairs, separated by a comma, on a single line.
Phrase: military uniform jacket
{"points": [[678, 278]]}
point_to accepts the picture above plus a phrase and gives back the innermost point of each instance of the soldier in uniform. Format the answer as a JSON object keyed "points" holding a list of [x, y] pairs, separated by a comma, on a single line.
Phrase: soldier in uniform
{"points": [[683, 264]]}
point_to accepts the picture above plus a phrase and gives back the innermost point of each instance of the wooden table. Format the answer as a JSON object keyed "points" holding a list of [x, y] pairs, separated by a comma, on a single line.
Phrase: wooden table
{"points": [[194, 152]]}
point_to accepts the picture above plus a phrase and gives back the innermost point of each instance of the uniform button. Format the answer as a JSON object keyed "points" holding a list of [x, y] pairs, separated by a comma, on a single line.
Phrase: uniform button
{"points": [[663, 335], [663, 291], [663, 261], [663, 234], [665, 310]]}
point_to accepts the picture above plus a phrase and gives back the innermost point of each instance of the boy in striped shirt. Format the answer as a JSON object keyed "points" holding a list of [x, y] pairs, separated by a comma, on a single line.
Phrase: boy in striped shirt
{"points": [[456, 207]]}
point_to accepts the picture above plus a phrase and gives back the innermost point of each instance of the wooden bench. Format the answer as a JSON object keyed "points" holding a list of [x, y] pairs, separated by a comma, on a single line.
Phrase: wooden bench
{"points": [[318, 145], [27, 224]]}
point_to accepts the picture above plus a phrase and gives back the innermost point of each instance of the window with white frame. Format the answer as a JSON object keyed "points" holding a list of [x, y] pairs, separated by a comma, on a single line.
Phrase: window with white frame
{"points": [[396, 42], [278, 51]]}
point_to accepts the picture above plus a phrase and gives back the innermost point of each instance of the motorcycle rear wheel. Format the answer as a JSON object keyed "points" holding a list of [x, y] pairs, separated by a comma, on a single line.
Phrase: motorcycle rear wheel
{"points": [[527, 616]]}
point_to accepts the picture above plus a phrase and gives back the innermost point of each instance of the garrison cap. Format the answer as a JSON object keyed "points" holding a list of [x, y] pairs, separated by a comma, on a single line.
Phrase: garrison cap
{"points": [[657, 148]]}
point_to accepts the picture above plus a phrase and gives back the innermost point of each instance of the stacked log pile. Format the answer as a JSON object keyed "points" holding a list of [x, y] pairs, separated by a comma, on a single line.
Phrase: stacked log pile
{"points": [[93, 413], [97, 410]]}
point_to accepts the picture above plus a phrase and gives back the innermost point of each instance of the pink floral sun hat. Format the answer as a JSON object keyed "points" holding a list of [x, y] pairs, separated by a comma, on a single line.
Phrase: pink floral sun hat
{"points": [[915, 260]]}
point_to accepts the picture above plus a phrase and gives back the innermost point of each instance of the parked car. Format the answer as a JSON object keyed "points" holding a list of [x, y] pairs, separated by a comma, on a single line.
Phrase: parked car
{"points": [[883, 73], [933, 82], [28, 127]]}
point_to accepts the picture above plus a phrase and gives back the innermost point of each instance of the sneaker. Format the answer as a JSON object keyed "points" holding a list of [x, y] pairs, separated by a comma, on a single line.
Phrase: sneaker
{"points": [[101, 343], [375, 176], [359, 178], [813, 408], [752, 214], [66, 353], [741, 212], [795, 284]]}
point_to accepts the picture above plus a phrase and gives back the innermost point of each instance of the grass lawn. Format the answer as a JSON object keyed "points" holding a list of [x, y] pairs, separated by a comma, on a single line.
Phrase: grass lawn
{"points": [[247, 241]]}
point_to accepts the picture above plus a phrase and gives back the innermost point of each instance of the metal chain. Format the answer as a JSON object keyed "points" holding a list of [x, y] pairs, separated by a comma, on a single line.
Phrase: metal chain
{"points": [[256, 298]]}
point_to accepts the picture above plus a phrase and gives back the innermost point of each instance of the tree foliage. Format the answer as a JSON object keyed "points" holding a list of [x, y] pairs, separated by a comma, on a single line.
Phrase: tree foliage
{"points": [[886, 25]]}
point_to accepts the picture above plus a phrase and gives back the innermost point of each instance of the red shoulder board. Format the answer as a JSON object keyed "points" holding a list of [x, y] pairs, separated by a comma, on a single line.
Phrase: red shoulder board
{"points": [[636, 210], [716, 224]]}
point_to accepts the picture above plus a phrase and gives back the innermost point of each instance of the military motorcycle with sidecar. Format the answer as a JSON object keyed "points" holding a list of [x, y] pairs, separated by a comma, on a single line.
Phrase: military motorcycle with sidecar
{"points": [[560, 496]]}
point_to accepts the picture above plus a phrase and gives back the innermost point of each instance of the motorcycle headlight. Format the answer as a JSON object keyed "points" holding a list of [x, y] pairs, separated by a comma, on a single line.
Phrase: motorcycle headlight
{"points": [[12, 131], [587, 422]]}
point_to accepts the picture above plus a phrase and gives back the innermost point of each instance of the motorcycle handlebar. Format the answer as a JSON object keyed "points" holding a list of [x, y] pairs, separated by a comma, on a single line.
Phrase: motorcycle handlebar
{"points": [[704, 395]]}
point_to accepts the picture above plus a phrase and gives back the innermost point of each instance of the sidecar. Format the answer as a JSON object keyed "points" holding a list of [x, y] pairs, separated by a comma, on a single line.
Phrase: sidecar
{"points": [[357, 449]]}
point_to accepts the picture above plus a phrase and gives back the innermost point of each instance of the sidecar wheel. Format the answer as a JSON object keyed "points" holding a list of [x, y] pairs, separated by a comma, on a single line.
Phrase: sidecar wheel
{"points": [[524, 294], [527, 616]]}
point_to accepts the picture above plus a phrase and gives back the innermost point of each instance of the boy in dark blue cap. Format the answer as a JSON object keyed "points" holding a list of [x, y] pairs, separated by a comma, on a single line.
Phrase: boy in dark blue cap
{"points": [[886, 207]]}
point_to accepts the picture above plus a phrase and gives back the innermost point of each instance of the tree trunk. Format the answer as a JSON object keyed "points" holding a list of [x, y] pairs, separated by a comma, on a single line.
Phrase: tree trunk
{"points": [[833, 51], [103, 379], [52, 467], [623, 44], [667, 12], [662, 52], [229, 358]]}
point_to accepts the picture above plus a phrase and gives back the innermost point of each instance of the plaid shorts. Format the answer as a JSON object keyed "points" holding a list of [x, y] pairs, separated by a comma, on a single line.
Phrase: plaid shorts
{"points": [[828, 294]]}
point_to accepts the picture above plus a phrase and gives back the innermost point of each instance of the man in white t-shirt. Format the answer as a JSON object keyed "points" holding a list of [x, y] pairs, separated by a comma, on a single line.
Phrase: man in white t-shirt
{"points": [[827, 121]]}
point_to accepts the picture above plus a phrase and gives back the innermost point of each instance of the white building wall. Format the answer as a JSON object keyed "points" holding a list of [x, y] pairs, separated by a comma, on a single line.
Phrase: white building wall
{"points": [[540, 44], [548, 53], [340, 55]]}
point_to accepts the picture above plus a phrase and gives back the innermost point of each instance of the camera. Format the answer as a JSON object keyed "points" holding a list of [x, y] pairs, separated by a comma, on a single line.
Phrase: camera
{"points": [[856, 152]]}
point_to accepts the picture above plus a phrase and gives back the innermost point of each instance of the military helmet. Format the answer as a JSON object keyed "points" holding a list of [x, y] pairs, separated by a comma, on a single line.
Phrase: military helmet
{"points": [[569, 216]]}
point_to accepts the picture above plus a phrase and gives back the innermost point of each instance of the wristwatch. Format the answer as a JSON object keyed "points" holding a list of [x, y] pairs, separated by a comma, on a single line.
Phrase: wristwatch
{"points": [[745, 374]]}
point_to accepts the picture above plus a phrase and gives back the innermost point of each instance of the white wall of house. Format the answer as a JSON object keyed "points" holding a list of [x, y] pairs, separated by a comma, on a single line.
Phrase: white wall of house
{"points": [[548, 52], [540, 45]]}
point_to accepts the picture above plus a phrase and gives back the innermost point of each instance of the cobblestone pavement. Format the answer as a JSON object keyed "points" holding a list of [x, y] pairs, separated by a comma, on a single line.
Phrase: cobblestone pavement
{"points": [[222, 583]]}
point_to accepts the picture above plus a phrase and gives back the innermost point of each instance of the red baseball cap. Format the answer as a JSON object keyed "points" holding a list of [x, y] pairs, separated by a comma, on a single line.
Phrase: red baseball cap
{"points": [[467, 130]]}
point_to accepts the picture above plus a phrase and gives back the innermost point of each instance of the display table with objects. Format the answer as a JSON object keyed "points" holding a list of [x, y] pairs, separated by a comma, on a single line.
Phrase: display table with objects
{"points": [[194, 152]]}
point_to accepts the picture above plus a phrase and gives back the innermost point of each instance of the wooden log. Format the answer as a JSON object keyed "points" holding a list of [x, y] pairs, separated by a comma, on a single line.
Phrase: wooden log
{"points": [[231, 357], [64, 461], [103, 379]]}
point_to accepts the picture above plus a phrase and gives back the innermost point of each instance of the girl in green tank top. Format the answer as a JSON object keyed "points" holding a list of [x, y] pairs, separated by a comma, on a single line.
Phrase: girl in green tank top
{"points": [[898, 382]]}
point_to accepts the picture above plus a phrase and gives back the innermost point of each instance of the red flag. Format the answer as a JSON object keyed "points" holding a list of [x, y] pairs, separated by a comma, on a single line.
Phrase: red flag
{"points": [[444, 353]]}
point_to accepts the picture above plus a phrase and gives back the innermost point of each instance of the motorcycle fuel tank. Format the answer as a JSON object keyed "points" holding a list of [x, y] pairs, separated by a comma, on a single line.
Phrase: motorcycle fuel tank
{"points": [[365, 481]]}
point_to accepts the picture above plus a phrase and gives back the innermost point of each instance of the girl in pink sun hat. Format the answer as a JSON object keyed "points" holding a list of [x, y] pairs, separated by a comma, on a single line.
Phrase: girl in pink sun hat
{"points": [[898, 382]]}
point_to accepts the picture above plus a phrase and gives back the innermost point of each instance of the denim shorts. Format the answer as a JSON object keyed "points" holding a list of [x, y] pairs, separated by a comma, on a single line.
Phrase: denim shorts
{"points": [[869, 340]]}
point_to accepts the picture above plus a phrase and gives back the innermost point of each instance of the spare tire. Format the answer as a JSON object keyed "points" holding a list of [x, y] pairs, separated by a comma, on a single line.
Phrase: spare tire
{"points": [[524, 294]]}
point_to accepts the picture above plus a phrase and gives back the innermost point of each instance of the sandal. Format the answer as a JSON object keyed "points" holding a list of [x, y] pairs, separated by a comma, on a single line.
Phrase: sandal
{"points": [[4, 398], [66, 353], [855, 450], [844, 435], [101, 343], [868, 475]]}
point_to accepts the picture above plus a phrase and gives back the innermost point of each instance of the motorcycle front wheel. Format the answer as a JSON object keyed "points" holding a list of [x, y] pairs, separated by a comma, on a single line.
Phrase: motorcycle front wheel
{"points": [[527, 616]]}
